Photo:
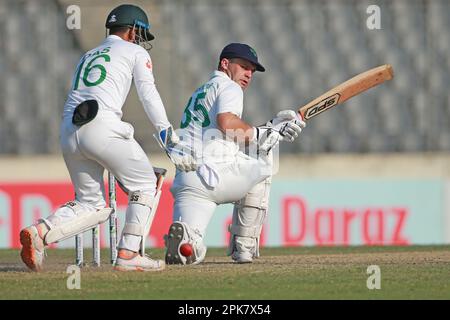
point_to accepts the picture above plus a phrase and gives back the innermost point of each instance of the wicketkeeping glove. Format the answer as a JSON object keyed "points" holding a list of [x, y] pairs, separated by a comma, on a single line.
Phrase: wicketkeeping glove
{"points": [[170, 142]]}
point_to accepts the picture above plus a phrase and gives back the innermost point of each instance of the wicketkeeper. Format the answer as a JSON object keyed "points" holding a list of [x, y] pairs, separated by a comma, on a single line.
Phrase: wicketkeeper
{"points": [[214, 133], [94, 138]]}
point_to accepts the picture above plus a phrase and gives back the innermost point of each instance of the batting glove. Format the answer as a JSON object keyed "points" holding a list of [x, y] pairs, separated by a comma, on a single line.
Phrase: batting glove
{"points": [[266, 138], [288, 124]]}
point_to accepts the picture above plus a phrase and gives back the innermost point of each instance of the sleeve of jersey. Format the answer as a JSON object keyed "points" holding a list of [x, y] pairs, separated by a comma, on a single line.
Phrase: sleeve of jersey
{"points": [[147, 92], [230, 99]]}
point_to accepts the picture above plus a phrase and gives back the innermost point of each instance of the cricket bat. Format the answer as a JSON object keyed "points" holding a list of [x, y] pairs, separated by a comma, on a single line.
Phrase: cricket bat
{"points": [[346, 90]]}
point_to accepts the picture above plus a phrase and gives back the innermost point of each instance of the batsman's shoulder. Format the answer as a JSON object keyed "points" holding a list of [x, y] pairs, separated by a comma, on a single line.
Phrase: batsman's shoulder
{"points": [[231, 87]]}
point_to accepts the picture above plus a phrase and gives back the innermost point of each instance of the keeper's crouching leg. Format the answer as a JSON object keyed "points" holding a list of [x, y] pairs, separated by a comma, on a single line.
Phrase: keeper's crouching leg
{"points": [[138, 220], [69, 220], [248, 219]]}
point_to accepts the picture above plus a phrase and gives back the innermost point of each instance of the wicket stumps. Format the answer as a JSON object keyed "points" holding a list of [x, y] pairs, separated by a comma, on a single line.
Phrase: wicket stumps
{"points": [[96, 257], [112, 218]]}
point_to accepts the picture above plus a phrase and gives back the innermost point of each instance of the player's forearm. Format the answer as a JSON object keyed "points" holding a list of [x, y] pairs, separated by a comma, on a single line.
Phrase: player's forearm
{"points": [[153, 106], [235, 128], [147, 92]]}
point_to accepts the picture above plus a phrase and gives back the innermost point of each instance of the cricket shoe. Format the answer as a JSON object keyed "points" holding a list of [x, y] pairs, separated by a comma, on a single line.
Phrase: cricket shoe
{"points": [[128, 261], [183, 245], [33, 248]]}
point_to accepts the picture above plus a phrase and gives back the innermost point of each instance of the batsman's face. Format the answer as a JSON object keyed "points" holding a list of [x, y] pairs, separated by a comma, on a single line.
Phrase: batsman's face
{"points": [[240, 71]]}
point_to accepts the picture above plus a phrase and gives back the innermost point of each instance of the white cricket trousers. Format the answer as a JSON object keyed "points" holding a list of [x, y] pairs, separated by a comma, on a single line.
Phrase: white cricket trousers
{"points": [[106, 143], [195, 201]]}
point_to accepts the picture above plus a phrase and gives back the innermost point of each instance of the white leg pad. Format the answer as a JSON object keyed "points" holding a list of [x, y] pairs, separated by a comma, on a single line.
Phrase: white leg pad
{"points": [[140, 197], [139, 218], [137, 215], [248, 218], [140, 213], [83, 221], [133, 228]]}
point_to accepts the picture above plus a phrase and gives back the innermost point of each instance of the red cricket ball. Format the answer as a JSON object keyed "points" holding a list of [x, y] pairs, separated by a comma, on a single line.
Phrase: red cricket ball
{"points": [[186, 250]]}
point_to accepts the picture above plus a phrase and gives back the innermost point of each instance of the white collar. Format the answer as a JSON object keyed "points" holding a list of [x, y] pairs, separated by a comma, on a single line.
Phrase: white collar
{"points": [[114, 37], [221, 74]]}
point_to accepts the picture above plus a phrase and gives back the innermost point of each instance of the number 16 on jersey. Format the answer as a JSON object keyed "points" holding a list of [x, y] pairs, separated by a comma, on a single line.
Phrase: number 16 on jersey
{"points": [[88, 60]]}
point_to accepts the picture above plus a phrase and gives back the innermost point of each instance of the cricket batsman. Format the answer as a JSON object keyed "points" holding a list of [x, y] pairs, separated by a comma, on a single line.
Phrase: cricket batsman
{"points": [[234, 162]]}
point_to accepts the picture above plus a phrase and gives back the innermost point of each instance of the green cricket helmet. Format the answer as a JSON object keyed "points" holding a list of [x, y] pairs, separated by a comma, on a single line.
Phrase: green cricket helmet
{"points": [[132, 16]]}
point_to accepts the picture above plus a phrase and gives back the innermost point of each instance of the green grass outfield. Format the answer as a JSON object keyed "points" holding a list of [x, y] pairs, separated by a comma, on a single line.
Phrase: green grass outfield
{"points": [[412, 272]]}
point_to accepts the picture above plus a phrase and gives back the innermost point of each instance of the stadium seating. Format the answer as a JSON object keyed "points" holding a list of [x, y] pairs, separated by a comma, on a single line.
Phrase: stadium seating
{"points": [[36, 58], [307, 47], [310, 46]]}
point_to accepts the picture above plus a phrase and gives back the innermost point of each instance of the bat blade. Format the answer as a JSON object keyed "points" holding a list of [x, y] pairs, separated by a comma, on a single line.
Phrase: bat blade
{"points": [[346, 90]]}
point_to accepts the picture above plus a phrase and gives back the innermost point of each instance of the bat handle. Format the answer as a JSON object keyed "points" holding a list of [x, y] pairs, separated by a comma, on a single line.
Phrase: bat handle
{"points": [[301, 115]]}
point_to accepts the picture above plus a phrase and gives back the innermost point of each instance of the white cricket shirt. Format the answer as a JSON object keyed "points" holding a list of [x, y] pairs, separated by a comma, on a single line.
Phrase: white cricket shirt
{"points": [[105, 74], [199, 122]]}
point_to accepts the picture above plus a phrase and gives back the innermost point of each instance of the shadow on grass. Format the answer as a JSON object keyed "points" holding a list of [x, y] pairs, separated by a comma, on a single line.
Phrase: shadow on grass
{"points": [[8, 267]]}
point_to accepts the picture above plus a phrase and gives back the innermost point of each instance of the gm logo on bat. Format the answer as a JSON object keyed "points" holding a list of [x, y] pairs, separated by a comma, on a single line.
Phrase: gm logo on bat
{"points": [[322, 106]]}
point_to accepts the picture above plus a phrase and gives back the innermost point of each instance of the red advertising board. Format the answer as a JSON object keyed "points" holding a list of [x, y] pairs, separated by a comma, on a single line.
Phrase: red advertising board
{"points": [[300, 213], [23, 204]]}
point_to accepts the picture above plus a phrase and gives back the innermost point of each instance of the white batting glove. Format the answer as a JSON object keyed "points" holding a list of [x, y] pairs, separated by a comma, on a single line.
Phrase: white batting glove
{"points": [[170, 142], [266, 137], [289, 125]]}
